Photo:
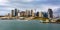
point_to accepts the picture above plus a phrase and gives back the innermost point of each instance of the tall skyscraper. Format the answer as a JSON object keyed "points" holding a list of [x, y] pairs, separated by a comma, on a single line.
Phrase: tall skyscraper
{"points": [[50, 13], [26, 13], [32, 13], [22, 14], [37, 14], [16, 12], [12, 13], [40, 14], [9, 15], [45, 14], [29, 14]]}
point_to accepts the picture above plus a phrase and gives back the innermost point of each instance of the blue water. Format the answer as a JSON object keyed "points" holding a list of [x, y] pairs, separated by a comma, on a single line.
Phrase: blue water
{"points": [[27, 25]]}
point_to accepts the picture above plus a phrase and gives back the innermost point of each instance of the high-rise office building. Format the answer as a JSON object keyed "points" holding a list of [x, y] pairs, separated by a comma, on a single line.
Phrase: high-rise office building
{"points": [[40, 14], [45, 14], [9, 14], [22, 14], [37, 14], [16, 12], [50, 13], [32, 13], [29, 14], [26, 13], [12, 13]]}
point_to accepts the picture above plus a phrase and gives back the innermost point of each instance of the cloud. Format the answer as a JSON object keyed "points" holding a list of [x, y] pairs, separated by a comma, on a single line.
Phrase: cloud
{"points": [[39, 5], [25, 1], [3, 1], [32, 0]]}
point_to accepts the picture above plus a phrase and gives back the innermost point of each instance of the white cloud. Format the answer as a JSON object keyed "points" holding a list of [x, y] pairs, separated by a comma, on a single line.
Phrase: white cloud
{"points": [[3, 2], [45, 7], [26, 4], [27, 1], [31, 0]]}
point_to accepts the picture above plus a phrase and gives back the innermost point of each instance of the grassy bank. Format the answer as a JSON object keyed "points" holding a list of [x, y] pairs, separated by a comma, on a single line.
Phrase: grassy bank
{"points": [[39, 18]]}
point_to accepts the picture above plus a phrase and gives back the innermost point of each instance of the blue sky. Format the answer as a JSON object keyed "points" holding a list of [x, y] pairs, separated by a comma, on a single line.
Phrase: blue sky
{"points": [[40, 5]]}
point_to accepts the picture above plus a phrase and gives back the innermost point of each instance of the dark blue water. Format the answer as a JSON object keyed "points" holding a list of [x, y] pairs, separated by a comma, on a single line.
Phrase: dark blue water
{"points": [[27, 25]]}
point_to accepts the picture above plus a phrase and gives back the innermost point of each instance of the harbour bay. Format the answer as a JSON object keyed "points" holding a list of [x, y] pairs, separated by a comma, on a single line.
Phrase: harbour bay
{"points": [[27, 25]]}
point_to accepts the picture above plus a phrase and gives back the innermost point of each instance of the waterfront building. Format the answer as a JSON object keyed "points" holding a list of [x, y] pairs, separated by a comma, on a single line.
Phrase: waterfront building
{"points": [[32, 13], [26, 13], [45, 14], [29, 13], [12, 13], [16, 12], [39, 14], [22, 14], [9, 14], [50, 13]]}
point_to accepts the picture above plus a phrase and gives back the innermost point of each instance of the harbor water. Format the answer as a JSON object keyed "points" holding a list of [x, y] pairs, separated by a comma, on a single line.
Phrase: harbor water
{"points": [[27, 25]]}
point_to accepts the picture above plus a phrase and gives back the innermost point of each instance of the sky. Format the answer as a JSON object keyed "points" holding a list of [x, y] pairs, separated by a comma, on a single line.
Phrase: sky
{"points": [[40, 5]]}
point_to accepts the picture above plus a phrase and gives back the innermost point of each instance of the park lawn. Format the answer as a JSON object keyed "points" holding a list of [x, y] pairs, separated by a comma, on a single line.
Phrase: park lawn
{"points": [[40, 18]]}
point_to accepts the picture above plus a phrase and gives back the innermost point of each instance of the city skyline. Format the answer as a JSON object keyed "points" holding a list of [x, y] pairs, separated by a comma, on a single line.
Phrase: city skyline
{"points": [[40, 5], [30, 13], [35, 11]]}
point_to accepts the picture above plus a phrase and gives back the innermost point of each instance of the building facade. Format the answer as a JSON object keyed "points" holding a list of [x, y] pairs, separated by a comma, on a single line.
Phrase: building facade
{"points": [[26, 13], [12, 13], [22, 14], [50, 13], [16, 12], [40, 14], [32, 13]]}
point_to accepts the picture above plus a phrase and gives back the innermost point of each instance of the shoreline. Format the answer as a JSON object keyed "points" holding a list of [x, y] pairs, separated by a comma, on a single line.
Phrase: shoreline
{"points": [[31, 20], [42, 19]]}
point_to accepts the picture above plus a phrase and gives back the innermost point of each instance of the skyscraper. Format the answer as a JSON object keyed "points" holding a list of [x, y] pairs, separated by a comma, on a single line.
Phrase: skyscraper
{"points": [[12, 13], [40, 14], [22, 14], [37, 14], [26, 13], [29, 14], [32, 13], [50, 13], [16, 12], [45, 14]]}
